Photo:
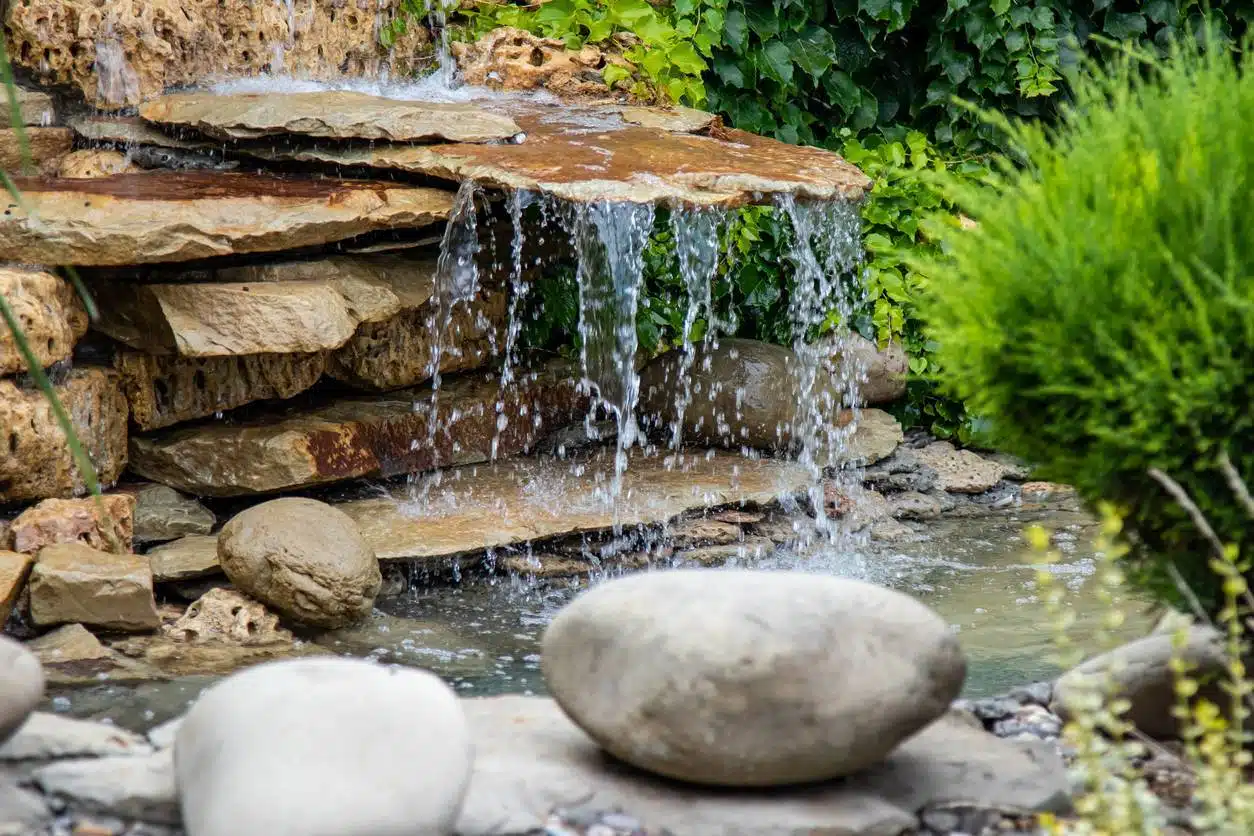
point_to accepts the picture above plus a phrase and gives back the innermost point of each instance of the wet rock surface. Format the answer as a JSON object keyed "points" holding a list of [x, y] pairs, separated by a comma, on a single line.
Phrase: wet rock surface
{"points": [[356, 437], [50, 312], [327, 115], [36, 463], [117, 54], [175, 216], [765, 684], [304, 558]]}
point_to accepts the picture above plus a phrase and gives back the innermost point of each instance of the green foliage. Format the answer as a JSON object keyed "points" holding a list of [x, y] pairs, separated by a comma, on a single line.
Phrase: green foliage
{"points": [[1102, 316], [669, 44]]}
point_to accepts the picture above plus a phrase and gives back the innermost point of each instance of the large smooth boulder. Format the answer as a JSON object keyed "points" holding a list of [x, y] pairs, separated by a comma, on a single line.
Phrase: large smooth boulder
{"points": [[323, 747], [1140, 672], [21, 686], [303, 558], [750, 679], [35, 459], [52, 316], [746, 393], [880, 372], [74, 583]]}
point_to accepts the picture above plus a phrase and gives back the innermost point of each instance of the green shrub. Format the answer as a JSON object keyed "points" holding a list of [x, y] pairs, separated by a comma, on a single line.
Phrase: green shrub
{"points": [[1102, 315]]}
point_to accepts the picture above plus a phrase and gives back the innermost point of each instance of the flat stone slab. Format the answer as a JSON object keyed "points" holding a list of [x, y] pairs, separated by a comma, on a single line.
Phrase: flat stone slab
{"points": [[355, 437], [480, 507], [333, 114], [170, 216], [530, 760], [589, 154]]}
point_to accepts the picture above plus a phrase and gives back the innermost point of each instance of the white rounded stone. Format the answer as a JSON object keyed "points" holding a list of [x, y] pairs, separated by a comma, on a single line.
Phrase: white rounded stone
{"points": [[750, 678], [21, 686], [323, 747]]}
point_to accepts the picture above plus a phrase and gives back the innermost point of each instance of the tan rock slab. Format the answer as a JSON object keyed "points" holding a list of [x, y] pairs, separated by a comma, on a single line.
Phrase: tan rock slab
{"points": [[217, 320], [131, 130], [331, 114], [614, 160], [147, 47], [481, 507], [72, 583], [400, 351], [71, 643], [50, 313], [960, 471], [168, 657], [14, 569], [106, 523], [94, 162], [194, 556], [46, 147], [367, 436], [35, 107], [72, 655], [166, 390], [162, 216], [530, 760]]}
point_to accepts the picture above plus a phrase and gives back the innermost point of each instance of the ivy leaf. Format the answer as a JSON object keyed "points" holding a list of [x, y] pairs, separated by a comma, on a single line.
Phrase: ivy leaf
{"points": [[1000, 7], [685, 7], [600, 30], [1161, 11], [763, 21], [777, 61], [684, 56], [729, 72], [614, 73], [1123, 26], [814, 50], [735, 32]]}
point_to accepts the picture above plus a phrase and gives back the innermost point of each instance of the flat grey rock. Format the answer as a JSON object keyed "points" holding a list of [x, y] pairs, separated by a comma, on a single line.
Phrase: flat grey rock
{"points": [[530, 759], [132, 787], [22, 812], [47, 736]]}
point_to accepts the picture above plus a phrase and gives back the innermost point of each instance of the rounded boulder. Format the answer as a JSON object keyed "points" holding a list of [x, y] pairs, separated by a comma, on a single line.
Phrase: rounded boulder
{"points": [[323, 747], [750, 678], [21, 686], [302, 558]]}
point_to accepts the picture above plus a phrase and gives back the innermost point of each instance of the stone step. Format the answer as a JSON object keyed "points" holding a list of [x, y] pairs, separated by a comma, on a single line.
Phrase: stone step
{"points": [[361, 436], [171, 216], [35, 460], [51, 315], [473, 508]]}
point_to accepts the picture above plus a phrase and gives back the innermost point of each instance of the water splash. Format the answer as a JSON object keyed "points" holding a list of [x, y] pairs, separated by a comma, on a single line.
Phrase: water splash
{"points": [[609, 240]]}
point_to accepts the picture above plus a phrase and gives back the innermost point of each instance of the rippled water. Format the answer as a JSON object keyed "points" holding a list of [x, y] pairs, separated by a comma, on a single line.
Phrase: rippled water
{"points": [[483, 636]]}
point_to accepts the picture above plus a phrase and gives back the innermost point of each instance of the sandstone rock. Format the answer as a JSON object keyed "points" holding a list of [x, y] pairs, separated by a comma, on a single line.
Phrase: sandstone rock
{"points": [[120, 52], [47, 736], [71, 643], [46, 147], [169, 390], [745, 393], [72, 582], [880, 373], [160, 216], [299, 724], [399, 351], [187, 558], [513, 59], [22, 689], [530, 760], [167, 657], [543, 566], [702, 531], [14, 568], [304, 558], [627, 163], [224, 615], [912, 505], [50, 313], [328, 114], [512, 502], [751, 548], [217, 320], [95, 162], [960, 471], [105, 523], [356, 437], [1140, 672], [35, 107], [163, 514], [132, 787], [685, 120], [767, 683], [35, 462]]}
